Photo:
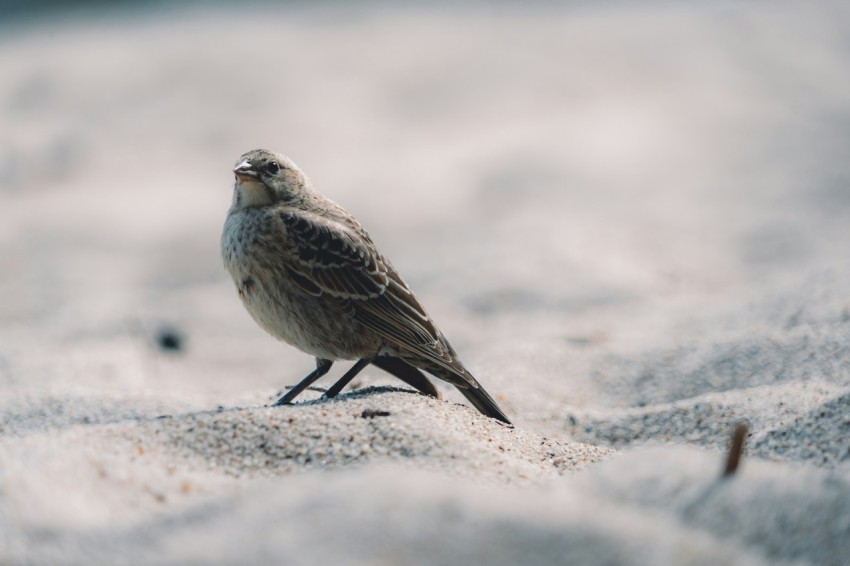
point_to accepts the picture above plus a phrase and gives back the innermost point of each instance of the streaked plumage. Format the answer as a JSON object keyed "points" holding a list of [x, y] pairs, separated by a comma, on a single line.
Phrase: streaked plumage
{"points": [[309, 274]]}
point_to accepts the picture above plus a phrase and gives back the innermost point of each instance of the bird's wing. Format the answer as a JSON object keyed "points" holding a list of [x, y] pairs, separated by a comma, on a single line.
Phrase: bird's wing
{"points": [[333, 259]]}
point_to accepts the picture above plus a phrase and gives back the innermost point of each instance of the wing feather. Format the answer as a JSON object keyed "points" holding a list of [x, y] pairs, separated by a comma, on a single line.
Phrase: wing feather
{"points": [[334, 259]]}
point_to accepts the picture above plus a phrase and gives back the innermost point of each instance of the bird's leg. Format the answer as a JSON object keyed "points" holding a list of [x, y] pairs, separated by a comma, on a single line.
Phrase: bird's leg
{"points": [[349, 375], [322, 367]]}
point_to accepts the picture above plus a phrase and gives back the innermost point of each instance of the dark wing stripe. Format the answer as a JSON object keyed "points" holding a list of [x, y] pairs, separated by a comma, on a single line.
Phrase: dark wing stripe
{"points": [[304, 282]]}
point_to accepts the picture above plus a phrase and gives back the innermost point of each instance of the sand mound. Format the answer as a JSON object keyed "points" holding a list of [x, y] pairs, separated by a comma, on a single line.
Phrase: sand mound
{"points": [[375, 424]]}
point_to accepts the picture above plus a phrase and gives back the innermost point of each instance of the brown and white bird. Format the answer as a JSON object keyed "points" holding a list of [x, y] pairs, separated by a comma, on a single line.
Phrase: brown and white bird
{"points": [[310, 275]]}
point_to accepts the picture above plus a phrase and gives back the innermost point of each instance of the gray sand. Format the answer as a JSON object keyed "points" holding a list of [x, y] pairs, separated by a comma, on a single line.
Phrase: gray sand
{"points": [[631, 221]]}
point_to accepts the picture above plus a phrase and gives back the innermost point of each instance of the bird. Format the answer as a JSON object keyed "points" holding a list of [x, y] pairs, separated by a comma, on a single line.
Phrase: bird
{"points": [[310, 275]]}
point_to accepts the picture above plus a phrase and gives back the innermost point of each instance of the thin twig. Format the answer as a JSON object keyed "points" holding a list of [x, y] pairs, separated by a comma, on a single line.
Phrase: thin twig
{"points": [[736, 450]]}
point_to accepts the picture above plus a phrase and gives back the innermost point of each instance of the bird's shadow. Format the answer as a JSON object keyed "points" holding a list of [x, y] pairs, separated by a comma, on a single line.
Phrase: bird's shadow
{"points": [[366, 392], [369, 391]]}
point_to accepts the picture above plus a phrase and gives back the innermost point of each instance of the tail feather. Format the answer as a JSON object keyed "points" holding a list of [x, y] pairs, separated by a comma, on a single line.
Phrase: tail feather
{"points": [[457, 375], [482, 401]]}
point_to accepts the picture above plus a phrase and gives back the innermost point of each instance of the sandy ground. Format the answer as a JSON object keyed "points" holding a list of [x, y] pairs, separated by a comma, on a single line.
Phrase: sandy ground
{"points": [[632, 221]]}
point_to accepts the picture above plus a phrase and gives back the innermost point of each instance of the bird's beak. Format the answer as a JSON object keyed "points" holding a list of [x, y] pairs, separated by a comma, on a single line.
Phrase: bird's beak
{"points": [[245, 171]]}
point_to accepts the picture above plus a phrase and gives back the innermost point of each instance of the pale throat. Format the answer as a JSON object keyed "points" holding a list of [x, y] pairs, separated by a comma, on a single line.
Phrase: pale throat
{"points": [[252, 193]]}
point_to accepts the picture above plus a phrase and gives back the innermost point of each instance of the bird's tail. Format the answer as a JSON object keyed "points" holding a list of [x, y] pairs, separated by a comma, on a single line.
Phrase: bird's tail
{"points": [[482, 401], [458, 376]]}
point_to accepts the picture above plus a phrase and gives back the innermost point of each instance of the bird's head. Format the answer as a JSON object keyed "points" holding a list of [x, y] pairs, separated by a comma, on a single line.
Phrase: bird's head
{"points": [[265, 178]]}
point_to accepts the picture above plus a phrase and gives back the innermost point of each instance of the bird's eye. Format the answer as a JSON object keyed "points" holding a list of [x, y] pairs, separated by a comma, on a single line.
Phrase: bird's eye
{"points": [[273, 167]]}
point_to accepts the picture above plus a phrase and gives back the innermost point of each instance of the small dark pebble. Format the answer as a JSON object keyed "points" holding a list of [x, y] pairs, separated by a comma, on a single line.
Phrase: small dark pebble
{"points": [[370, 414], [169, 340]]}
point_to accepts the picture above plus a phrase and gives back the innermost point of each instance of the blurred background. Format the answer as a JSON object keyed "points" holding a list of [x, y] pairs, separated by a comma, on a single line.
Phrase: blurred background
{"points": [[550, 178]]}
